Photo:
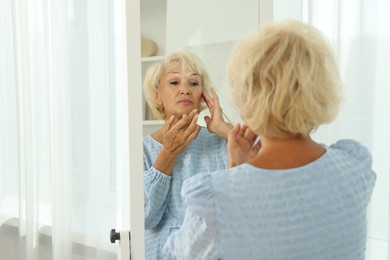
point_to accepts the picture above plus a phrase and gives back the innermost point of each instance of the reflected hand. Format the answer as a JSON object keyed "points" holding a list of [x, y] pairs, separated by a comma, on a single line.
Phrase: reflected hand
{"points": [[242, 146], [176, 137], [215, 122]]}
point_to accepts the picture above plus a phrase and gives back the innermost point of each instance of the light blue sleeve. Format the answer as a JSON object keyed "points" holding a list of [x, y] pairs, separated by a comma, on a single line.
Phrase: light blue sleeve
{"points": [[355, 150], [363, 157], [156, 185], [358, 152], [199, 236]]}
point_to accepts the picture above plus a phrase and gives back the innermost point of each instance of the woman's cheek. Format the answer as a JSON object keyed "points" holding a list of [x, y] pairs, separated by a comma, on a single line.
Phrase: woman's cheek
{"points": [[199, 101]]}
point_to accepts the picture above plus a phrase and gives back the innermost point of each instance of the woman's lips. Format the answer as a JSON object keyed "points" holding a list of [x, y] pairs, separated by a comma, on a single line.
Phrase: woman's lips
{"points": [[185, 102]]}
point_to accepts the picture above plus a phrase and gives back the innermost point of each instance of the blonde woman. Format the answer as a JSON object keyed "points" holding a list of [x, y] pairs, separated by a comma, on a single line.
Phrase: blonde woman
{"points": [[176, 90], [293, 198]]}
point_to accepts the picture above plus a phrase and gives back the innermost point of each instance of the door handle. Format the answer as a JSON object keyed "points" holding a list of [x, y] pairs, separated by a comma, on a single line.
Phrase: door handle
{"points": [[123, 237]]}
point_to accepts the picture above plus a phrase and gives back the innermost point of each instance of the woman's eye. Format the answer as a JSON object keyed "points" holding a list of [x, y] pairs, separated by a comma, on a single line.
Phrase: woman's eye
{"points": [[174, 83], [194, 84]]}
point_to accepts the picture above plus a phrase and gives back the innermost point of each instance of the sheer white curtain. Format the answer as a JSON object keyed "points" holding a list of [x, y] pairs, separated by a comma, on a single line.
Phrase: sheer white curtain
{"points": [[63, 128], [358, 30]]}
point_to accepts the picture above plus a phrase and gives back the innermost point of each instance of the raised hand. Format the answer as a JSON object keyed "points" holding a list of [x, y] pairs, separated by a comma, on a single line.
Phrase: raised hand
{"points": [[215, 122], [242, 146], [176, 137]]}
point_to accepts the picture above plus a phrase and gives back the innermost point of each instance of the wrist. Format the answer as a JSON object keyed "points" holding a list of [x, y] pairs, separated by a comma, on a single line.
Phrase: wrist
{"points": [[165, 161], [167, 154], [224, 130]]}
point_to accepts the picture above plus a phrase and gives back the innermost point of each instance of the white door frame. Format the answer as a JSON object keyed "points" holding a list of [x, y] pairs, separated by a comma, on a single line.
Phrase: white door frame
{"points": [[134, 83]]}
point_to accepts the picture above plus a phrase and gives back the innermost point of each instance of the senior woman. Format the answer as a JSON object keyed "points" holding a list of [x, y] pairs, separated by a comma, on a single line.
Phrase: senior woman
{"points": [[176, 90], [295, 198]]}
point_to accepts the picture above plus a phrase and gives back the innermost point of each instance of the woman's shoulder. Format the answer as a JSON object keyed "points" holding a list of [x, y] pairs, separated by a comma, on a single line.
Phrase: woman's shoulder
{"points": [[151, 148], [353, 149], [207, 139], [204, 183], [352, 155], [206, 134], [149, 141]]}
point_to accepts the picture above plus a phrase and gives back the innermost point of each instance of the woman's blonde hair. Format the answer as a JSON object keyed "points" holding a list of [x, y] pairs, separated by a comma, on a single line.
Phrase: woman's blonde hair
{"points": [[153, 76], [284, 79]]}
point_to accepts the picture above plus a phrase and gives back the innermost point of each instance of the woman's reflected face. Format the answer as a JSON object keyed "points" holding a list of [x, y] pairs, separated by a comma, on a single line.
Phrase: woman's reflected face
{"points": [[179, 91]]}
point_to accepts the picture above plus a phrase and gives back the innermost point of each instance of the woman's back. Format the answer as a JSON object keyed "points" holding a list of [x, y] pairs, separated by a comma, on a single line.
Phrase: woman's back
{"points": [[317, 211]]}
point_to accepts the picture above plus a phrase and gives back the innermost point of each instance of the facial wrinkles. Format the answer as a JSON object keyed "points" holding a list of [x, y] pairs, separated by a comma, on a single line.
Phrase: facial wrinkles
{"points": [[184, 78], [178, 84]]}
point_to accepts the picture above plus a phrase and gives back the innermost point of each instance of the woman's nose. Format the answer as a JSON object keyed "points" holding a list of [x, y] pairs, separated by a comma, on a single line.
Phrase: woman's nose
{"points": [[185, 90]]}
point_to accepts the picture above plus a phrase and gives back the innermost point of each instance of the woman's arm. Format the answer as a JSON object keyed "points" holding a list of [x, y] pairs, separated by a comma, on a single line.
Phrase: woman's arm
{"points": [[157, 178], [199, 236], [196, 239], [156, 186], [215, 122]]}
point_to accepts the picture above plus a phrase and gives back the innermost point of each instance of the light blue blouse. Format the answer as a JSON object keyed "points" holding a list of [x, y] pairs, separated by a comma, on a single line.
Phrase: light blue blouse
{"points": [[317, 211], [164, 207]]}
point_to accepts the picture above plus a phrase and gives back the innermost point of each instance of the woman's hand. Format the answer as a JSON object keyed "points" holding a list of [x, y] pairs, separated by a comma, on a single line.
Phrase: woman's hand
{"points": [[242, 146], [215, 122], [176, 137]]}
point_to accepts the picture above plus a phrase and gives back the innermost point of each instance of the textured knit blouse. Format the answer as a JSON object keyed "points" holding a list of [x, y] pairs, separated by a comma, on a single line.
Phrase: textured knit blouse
{"points": [[164, 207], [317, 211]]}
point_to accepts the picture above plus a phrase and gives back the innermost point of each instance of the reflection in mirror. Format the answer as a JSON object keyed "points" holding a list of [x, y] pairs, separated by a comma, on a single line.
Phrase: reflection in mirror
{"points": [[205, 30], [360, 45]]}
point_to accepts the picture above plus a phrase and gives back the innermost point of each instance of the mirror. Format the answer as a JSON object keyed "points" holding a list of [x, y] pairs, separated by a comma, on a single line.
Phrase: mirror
{"points": [[210, 28], [207, 32]]}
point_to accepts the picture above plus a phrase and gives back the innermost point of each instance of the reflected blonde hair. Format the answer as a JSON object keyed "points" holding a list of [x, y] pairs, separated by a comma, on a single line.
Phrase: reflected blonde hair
{"points": [[155, 72], [284, 79]]}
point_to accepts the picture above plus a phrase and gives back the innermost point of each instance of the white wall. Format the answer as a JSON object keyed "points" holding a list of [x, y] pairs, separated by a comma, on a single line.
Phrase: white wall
{"points": [[206, 21]]}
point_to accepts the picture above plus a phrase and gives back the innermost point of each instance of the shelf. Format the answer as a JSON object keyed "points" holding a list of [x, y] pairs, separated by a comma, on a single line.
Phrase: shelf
{"points": [[152, 59], [153, 122], [152, 126]]}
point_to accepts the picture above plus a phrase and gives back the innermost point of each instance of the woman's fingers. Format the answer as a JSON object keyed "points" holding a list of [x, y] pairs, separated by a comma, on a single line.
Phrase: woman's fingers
{"points": [[250, 135], [233, 134], [182, 133], [193, 134], [207, 99], [242, 130], [168, 123], [213, 101], [185, 120], [236, 155], [191, 126], [256, 148], [215, 96]]}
